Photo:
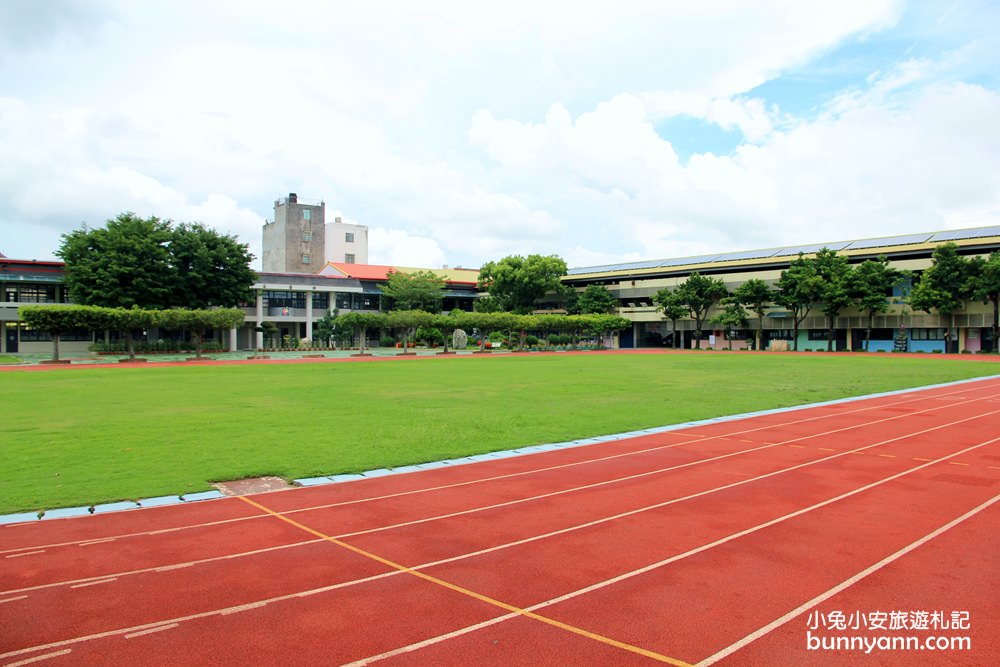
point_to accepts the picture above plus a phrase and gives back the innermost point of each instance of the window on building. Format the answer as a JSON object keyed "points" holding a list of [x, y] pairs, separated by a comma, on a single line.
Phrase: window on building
{"points": [[321, 300], [927, 334], [349, 258], [283, 299], [343, 301], [306, 259], [307, 237], [349, 237], [307, 214], [37, 294]]}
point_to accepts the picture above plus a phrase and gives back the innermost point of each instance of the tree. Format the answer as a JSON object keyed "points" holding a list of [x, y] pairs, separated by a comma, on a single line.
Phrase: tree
{"points": [[734, 316], [798, 289], [596, 299], [600, 324], [360, 322], [407, 321], [699, 293], [756, 295], [985, 287], [486, 304], [149, 264], [129, 320], [834, 273], [669, 302], [122, 265], [420, 290], [270, 330], [199, 322], [209, 268], [57, 320], [517, 282], [944, 287], [871, 283]]}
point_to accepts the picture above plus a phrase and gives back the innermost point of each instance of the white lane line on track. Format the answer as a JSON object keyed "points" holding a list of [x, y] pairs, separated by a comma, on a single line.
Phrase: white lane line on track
{"points": [[529, 498], [847, 583], [19, 597], [95, 583], [149, 631], [39, 658], [653, 566], [845, 401], [392, 573]]}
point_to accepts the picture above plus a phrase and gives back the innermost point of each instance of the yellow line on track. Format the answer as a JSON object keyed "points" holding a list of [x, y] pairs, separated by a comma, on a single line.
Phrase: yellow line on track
{"points": [[470, 593]]}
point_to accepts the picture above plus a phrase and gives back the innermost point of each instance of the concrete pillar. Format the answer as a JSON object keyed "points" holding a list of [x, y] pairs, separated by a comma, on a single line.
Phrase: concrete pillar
{"points": [[232, 339], [850, 339], [309, 315], [963, 337], [260, 320]]}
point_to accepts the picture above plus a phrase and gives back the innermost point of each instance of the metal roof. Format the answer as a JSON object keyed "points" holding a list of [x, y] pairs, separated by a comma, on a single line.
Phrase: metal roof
{"points": [[793, 250]]}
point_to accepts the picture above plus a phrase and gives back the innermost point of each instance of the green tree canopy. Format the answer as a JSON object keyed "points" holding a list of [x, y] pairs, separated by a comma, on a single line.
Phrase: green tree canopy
{"points": [[148, 263], [871, 285], [595, 299], [985, 287], [126, 263], [360, 322], [757, 296], [210, 269], [517, 282], [733, 316], [57, 320], [944, 287], [799, 287], [834, 274], [420, 290], [199, 322], [670, 303], [699, 293]]}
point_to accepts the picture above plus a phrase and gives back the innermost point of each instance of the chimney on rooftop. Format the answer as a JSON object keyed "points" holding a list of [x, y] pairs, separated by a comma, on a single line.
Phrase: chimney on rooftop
{"points": [[293, 198]]}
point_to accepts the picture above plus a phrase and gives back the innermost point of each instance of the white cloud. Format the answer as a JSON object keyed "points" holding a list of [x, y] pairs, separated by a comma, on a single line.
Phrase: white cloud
{"points": [[466, 132], [396, 247]]}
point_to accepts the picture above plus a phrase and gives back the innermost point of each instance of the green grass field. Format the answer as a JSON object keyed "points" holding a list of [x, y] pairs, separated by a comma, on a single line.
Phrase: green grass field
{"points": [[7, 359], [88, 435]]}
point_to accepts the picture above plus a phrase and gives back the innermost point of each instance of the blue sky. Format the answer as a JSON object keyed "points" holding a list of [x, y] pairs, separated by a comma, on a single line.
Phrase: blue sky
{"points": [[459, 134]]}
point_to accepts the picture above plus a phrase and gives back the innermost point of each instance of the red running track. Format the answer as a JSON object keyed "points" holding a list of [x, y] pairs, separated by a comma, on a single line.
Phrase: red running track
{"points": [[851, 533]]}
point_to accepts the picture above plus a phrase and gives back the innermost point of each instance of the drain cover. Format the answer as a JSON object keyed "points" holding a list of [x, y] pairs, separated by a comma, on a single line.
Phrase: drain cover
{"points": [[245, 487]]}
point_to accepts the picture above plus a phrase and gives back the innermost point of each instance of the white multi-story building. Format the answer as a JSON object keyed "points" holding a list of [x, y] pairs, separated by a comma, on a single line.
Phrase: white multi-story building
{"points": [[346, 243]]}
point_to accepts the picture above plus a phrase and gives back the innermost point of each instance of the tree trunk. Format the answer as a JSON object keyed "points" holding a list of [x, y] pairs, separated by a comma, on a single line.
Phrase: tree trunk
{"points": [[868, 331], [831, 333], [55, 345], [130, 346]]}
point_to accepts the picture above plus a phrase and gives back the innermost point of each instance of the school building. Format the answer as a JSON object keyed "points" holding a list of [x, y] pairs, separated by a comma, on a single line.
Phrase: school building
{"points": [[295, 301]]}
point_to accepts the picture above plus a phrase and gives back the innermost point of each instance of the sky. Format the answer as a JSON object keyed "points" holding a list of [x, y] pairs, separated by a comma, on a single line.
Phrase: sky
{"points": [[462, 132]]}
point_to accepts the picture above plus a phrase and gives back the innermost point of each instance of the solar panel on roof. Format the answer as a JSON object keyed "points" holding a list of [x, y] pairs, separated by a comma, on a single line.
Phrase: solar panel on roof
{"points": [[745, 254], [681, 261], [888, 241], [808, 249], [954, 234]]}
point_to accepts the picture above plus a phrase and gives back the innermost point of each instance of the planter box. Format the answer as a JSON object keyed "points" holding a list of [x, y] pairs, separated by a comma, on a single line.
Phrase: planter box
{"points": [[137, 360], [55, 361]]}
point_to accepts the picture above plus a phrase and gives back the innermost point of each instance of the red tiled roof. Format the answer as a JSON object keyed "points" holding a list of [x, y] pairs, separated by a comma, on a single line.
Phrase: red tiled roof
{"points": [[380, 272]]}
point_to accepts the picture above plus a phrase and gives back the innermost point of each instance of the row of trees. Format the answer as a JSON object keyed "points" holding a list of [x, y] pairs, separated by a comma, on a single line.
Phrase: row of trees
{"points": [[406, 322], [58, 320], [828, 283]]}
